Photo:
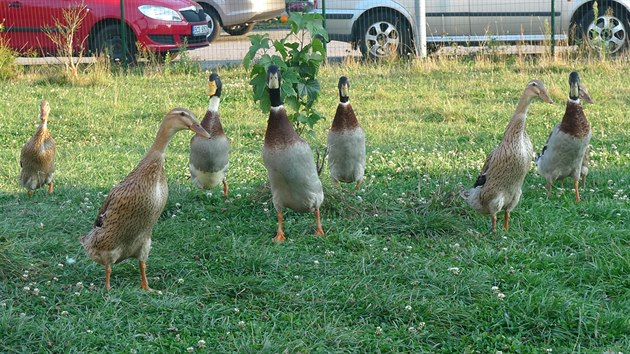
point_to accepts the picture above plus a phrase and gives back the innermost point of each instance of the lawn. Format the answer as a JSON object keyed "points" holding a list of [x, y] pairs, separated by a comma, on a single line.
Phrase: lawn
{"points": [[406, 265]]}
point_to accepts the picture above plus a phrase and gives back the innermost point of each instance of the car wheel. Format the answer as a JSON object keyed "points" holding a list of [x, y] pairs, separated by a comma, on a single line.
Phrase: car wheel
{"points": [[609, 29], [214, 23], [108, 41], [383, 36], [239, 30]]}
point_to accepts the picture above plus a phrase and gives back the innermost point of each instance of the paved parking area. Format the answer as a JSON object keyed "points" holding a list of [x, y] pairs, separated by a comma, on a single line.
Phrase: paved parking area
{"points": [[230, 50]]}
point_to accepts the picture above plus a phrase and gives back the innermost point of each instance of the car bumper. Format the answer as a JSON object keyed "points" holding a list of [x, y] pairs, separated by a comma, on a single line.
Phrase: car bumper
{"points": [[160, 37]]}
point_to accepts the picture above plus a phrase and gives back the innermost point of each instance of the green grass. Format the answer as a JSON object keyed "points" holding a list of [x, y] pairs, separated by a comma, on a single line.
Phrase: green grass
{"points": [[405, 265]]}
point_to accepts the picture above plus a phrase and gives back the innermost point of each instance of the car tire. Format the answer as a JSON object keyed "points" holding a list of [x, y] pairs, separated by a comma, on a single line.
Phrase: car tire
{"points": [[383, 35], [239, 30], [108, 41], [613, 30], [214, 24]]}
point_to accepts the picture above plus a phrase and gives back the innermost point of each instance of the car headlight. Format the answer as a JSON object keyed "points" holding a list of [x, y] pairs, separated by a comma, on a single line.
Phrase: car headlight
{"points": [[160, 13]]}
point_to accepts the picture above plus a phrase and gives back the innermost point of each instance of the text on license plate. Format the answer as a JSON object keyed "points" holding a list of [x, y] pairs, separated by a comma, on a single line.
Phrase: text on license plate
{"points": [[200, 30]]}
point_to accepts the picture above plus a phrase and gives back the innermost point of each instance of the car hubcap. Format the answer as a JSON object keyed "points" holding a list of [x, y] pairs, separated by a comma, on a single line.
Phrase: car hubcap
{"points": [[382, 39], [610, 31]]}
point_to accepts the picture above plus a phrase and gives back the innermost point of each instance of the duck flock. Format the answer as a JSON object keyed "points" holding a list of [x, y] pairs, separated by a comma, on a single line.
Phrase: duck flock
{"points": [[125, 221]]}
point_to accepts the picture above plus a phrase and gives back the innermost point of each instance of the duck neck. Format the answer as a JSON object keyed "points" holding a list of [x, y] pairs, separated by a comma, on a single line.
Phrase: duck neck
{"points": [[517, 123], [213, 105], [162, 138], [274, 97]]}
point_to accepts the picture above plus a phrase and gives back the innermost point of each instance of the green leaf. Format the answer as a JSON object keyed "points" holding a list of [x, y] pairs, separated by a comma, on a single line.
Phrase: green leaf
{"points": [[293, 103], [280, 48], [258, 42]]}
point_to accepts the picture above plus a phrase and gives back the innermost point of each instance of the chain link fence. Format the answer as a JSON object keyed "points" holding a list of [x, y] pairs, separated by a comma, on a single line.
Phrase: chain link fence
{"points": [[216, 31]]}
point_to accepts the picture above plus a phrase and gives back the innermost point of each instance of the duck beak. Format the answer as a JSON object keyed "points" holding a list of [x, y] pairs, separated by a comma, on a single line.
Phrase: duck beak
{"points": [[199, 130], [583, 94], [545, 97]]}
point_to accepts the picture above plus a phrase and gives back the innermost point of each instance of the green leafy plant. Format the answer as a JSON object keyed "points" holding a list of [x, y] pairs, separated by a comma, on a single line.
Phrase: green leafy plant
{"points": [[8, 66], [299, 56]]}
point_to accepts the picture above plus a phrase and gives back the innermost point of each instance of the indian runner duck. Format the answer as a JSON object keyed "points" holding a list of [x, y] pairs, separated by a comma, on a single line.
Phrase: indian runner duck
{"points": [[289, 161], [565, 152], [209, 157], [346, 140], [37, 158], [125, 221], [498, 187]]}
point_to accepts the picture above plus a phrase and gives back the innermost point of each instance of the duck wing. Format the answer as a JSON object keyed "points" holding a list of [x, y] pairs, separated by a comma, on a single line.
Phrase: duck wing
{"points": [[481, 180], [542, 152]]}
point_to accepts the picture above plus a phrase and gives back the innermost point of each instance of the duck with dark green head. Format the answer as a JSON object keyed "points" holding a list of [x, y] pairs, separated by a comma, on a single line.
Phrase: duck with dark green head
{"points": [[346, 141], [565, 153], [209, 157], [289, 161]]}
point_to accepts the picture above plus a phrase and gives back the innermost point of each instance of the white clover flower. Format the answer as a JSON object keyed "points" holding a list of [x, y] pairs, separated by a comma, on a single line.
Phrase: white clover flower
{"points": [[241, 324], [36, 291], [79, 285], [378, 331], [60, 265], [408, 308], [190, 349], [454, 270], [316, 262], [385, 249], [412, 330], [421, 326], [329, 253], [501, 296], [236, 310], [409, 248], [177, 205], [180, 281], [495, 289], [201, 343], [26, 288], [64, 313]]}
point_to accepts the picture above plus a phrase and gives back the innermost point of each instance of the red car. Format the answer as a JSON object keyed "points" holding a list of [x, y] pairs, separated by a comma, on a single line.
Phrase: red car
{"points": [[158, 25]]}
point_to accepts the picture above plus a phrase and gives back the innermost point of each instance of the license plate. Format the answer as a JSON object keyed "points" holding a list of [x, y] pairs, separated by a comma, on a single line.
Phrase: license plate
{"points": [[200, 30]]}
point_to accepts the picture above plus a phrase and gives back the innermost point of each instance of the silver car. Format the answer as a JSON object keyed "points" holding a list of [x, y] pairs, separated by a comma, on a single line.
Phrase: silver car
{"points": [[380, 28], [238, 17]]}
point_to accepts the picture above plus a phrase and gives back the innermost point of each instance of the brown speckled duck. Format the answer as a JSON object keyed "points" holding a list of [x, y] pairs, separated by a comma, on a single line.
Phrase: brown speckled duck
{"points": [[289, 161], [498, 187], [37, 159], [565, 153], [125, 221], [346, 141], [209, 157]]}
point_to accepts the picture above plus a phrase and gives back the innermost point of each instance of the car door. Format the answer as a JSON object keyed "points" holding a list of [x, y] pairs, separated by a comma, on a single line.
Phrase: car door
{"points": [[447, 20], [511, 20], [26, 23]]}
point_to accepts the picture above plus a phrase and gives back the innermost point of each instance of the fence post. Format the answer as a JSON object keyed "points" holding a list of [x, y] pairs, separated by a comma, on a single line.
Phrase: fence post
{"points": [[420, 39], [553, 28], [123, 33], [324, 24]]}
